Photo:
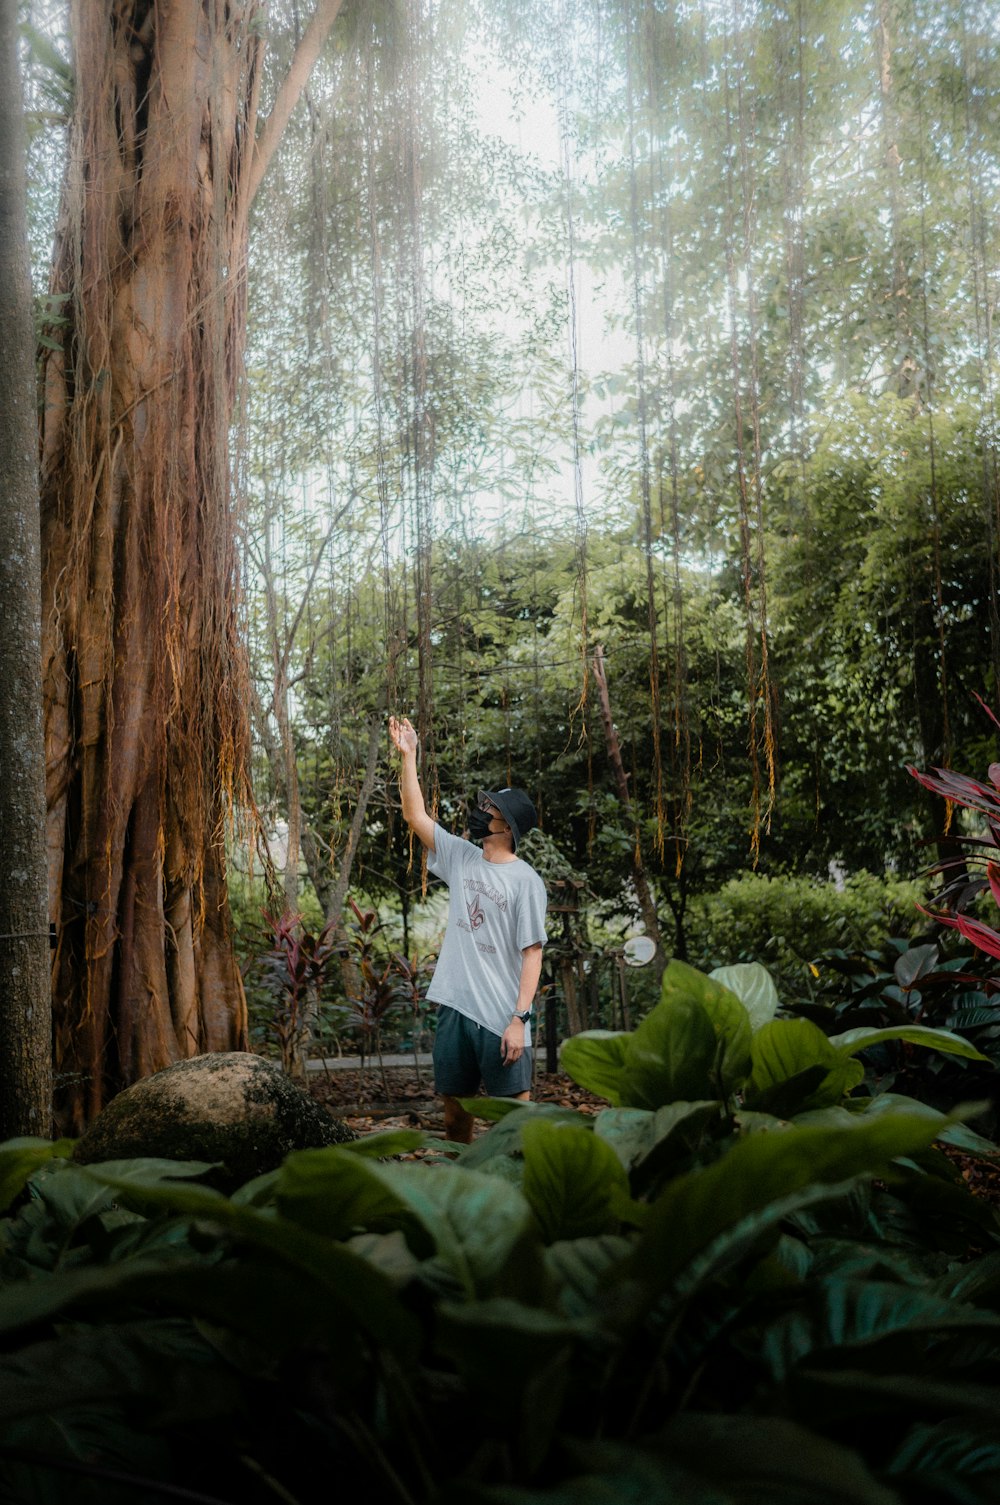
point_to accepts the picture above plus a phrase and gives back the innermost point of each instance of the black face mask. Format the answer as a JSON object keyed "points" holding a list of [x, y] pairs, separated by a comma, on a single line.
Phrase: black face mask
{"points": [[479, 824]]}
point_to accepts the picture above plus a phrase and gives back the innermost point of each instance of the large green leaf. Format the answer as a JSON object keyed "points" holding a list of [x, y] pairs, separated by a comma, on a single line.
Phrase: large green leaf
{"points": [[515, 1362], [476, 1221], [20, 1158], [616, 1475], [144, 1170], [754, 987], [48, 1230], [277, 1305], [978, 1282], [694, 1044], [861, 1394], [957, 1134], [672, 1055], [493, 1108], [596, 1060], [570, 1179], [675, 1133], [853, 1040], [498, 1340], [790, 1048], [470, 1221], [334, 1192], [729, 1018], [580, 1268], [70, 1214], [626, 1130], [648, 1144], [950, 1450], [842, 1315], [761, 1170], [768, 1458], [350, 1285], [389, 1142], [164, 1362], [504, 1138]]}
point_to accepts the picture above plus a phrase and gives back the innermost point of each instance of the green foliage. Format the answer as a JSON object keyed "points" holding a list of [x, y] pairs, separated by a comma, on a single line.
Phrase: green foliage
{"points": [[572, 1179], [420, 1327], [701, 1042], [20, 1159], [786, 922], [898, 985]]}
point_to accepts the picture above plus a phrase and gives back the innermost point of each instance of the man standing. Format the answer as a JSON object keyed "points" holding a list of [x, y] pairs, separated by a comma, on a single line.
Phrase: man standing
{"points": [[487, 974]]}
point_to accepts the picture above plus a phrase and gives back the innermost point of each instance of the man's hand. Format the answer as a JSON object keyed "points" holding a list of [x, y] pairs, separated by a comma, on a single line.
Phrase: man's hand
{"points": [[403, 734], [512, 1043]]}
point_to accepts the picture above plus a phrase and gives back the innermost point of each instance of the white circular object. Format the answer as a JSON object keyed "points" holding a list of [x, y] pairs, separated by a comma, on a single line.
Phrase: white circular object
{"points": [[639, 951]]}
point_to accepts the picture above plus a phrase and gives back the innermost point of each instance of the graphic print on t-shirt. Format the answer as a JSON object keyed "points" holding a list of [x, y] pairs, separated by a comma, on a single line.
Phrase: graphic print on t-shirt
{"points": [[477, 914]]}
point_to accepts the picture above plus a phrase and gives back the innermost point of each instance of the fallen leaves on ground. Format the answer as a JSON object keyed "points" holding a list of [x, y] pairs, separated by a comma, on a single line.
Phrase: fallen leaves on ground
{"points": [[403, 1098]]}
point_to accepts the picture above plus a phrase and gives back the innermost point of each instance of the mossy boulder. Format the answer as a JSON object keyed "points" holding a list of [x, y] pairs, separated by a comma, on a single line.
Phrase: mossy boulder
{"points": [[233, 1108]]}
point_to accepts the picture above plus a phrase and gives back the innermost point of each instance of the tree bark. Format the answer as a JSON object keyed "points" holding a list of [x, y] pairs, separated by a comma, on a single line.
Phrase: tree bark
{"points": [[574, 1019], [144, 674], [647, 906], [25, 1017]]}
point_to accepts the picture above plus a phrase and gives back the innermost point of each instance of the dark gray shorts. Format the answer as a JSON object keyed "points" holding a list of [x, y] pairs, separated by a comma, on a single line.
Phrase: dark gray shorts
{"points": [[465, 1054]]}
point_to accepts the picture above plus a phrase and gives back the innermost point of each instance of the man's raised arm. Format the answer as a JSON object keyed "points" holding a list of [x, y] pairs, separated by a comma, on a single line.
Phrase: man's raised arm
{"points": [[404, 738]]}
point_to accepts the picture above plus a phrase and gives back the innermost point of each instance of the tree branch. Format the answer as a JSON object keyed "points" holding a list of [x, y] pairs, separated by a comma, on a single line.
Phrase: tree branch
{"points": [[294, 82]]}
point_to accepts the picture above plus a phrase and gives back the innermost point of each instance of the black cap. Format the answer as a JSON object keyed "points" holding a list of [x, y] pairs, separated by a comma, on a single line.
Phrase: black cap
{"points": [[516, 808]]}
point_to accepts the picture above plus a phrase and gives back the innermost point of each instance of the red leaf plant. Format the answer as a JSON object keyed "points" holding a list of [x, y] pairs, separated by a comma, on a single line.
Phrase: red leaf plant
{"points": [[973, 851]]}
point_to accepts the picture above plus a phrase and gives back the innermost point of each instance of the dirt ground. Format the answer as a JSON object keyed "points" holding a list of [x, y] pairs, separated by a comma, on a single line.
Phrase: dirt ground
{"points": [[402, 1098], [405, 1098]]}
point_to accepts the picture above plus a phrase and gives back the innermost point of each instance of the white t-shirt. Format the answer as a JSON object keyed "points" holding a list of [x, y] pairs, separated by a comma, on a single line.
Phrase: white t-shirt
{"points": [[495, 910]]}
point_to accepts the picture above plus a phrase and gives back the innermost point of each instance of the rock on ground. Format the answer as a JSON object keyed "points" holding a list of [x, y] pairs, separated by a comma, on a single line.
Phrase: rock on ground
{"points": [[234, 1108]]}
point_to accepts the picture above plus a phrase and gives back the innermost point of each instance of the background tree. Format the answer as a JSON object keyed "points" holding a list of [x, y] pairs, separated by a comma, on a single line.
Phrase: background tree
{"points": [[25, 1018]]}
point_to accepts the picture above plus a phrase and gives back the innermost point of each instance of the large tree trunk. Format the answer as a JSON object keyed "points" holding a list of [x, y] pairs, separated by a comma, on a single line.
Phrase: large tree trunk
{"points": [[145, 683], [25, 1022], [144, 675]]}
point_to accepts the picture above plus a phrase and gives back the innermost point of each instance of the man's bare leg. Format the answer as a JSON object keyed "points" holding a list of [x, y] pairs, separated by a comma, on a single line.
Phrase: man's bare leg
{"points": [[457, 1123]]}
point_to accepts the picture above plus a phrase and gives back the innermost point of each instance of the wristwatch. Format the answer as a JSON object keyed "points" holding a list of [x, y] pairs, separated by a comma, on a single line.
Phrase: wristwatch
{"points": [[525, 1018]]}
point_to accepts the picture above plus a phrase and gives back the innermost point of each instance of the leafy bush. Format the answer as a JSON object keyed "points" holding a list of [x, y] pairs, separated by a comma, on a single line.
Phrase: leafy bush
{"points": [[684, 1297], [785, 922], [901, 983]]}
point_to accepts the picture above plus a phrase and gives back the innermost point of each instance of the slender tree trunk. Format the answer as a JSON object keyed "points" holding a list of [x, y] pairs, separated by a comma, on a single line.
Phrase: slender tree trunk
{"points": [[647, 905], [25, 1018], [904, 373], [333, 891], [574, 1018], [144, 675]]}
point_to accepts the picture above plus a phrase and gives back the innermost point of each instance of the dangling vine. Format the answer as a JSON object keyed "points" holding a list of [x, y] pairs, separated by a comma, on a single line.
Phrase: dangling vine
{"points": [[745, 388]]}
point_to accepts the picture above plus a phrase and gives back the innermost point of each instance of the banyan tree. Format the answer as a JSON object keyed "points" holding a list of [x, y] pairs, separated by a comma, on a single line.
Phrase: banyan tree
{"points": [[143, 668]]}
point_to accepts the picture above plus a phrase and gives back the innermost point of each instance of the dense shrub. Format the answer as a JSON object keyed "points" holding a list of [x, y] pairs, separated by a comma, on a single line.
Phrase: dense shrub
{"points": [[785, 922]]}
